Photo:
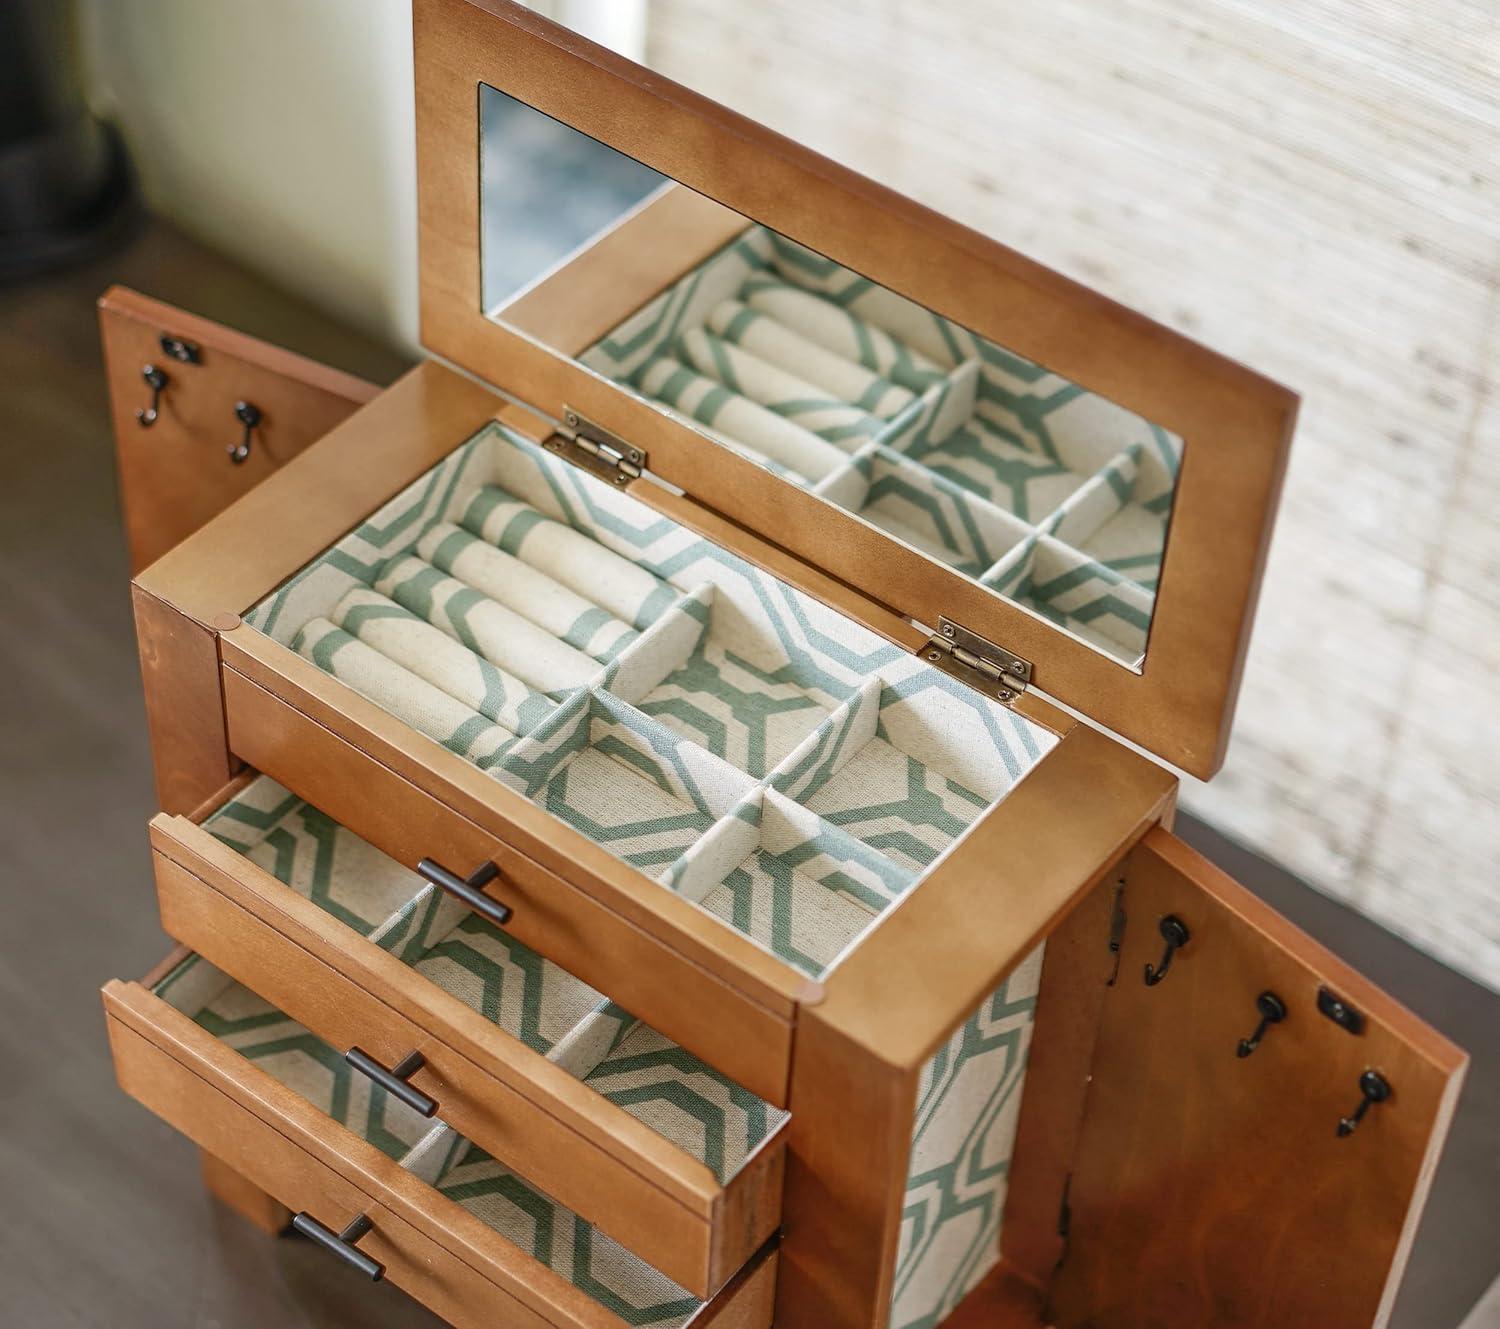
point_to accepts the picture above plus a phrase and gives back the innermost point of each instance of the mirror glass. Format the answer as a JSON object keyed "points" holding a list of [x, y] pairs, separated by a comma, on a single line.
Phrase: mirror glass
{"points": [[1053, 497]]}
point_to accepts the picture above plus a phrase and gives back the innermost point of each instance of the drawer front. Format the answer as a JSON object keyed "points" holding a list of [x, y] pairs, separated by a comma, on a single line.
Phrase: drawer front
{"points": [[176, 468], [1232, 1168], [689, 1003], [531, 1114], [430, 1247]]}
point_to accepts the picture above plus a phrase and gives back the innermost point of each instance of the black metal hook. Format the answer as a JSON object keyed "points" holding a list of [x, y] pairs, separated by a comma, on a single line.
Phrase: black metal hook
{"points": [[156, 380], [249, 416], [1174, 932], [1272, 1011], [1375, 1088]]}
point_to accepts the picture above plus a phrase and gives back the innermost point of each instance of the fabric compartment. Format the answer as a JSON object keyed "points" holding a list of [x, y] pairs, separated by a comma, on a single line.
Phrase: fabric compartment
{"points": [[908, 765], [797, 884]]}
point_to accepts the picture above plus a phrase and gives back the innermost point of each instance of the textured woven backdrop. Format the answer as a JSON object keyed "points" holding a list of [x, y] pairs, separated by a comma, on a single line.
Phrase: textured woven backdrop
{"points": [[1313, 189]]}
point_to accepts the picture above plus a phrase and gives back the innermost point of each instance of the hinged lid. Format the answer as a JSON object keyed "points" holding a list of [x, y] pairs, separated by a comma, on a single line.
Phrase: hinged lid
{"points": [[945, 426]]}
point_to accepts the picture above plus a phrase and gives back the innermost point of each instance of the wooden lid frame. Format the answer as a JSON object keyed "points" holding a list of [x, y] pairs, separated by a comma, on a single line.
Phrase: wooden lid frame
{"points": [[1235, 424]]}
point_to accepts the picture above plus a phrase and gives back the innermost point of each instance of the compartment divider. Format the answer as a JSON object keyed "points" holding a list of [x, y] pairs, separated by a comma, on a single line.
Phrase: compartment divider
{"points": [[664, 647], [824, 751], [938, 412], [1102, 496], [675, 764], [959, 527], [789, 879], [1078, 592]]}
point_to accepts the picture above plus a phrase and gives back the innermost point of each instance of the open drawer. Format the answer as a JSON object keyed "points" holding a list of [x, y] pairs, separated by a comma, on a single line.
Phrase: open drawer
{"points": [[441, 1218], [601, 1112]]}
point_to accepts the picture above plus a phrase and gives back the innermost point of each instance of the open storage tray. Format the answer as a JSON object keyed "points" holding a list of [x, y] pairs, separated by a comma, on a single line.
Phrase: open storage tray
{"points": [[596, 1108], [458, 1230], [1051, 495], [750, 749]]}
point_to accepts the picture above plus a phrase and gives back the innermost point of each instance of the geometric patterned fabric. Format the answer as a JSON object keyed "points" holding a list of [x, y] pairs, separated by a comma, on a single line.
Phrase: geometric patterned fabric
{"points": [[760, 754], [1056, 498], [553, 1013], [433, 1151], [968, 1104]]}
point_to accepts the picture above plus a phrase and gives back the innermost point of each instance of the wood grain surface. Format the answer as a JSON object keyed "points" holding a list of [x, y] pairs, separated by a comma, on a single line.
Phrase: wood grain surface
{"points": [[1211, 1188]]}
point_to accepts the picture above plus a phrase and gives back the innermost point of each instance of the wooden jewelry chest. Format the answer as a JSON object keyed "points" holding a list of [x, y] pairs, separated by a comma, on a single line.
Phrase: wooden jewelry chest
{"points": [[625, 871]]}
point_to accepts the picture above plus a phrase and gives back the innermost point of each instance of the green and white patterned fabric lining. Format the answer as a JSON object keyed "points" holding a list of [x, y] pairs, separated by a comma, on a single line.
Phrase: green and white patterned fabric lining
{"points": [[562, 1242], [968, 1104], [745, 745], [533, 1000], [1055, 497], [619, 1281]]}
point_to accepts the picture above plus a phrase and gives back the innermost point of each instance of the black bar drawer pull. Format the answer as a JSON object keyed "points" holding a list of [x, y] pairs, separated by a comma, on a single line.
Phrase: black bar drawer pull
{"points": [[342, 1243], [469, 889], [393, 1080]]}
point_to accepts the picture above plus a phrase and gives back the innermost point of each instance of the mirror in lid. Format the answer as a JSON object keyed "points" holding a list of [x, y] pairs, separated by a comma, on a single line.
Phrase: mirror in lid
{"points": [[1051, 496]]}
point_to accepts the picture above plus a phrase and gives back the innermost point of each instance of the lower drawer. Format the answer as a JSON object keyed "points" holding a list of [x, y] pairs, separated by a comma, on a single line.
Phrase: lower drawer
{"points": [[618, 1124], [446, 1222]]}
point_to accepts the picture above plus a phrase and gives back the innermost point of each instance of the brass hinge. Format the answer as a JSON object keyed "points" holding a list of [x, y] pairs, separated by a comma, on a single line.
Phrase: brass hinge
{"points": [[977, 661], [594, 449]]}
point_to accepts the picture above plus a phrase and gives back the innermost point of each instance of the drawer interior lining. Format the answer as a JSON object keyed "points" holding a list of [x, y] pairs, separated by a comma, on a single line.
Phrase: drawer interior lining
{"points": [[1056, 498], [656, 692], [529, 997], [433, 1151]]}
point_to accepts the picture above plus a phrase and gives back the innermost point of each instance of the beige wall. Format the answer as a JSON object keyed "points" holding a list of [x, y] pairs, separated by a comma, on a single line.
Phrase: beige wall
{"points": [[1315, 189], [1311, 188], [279, 131]]}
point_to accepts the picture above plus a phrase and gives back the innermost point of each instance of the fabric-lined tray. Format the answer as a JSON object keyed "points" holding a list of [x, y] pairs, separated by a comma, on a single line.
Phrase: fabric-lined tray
{"points": [[749, 748]]}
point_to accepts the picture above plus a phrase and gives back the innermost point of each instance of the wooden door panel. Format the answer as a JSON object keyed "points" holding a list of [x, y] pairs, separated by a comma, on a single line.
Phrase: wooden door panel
{"points": [[1213, 1188], [177, 472]]}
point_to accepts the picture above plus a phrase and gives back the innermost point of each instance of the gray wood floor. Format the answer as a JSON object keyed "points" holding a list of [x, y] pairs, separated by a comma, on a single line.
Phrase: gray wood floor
{"points": [[102, 1219]]}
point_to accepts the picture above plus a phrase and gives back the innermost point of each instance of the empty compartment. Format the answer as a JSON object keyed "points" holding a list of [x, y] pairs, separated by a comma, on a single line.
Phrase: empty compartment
{"points": [[567, 1247], [721, 679], [1088, 598], [631, 785], [924, 510], [910, 763], [801, 887], [619, 1281]]}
